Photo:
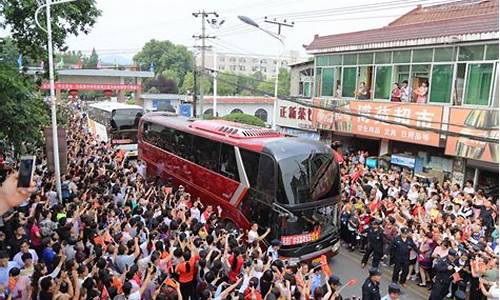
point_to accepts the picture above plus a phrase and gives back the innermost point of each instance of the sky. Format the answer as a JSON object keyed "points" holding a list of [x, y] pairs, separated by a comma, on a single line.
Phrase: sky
{"points": [[126, 25]]}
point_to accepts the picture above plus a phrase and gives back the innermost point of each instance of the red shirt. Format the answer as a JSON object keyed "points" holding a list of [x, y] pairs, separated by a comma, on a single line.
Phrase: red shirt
{"points": [[234, 272], [35, 240]]}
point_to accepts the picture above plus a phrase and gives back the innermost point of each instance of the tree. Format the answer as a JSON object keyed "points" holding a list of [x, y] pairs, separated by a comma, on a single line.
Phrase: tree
{"points": [[245, 119], [226, 84], [91, 61], [171, 75], [162, 84], [153, 90], [284, 82], [67, 19], [187, 83], [164, 55], [23, 114]]}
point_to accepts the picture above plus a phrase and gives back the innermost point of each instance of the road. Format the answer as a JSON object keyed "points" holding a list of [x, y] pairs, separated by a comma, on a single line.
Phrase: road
{"points": [[347, 265]]}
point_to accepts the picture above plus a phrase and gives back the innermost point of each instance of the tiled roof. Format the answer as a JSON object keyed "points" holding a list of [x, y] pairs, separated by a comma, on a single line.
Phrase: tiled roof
{"points": [[421, 23], [240, 100]]}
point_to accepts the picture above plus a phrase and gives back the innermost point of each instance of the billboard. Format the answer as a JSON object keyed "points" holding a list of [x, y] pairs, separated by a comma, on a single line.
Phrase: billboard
{"points": [[416, 115], [475, 122], [294, 115]]}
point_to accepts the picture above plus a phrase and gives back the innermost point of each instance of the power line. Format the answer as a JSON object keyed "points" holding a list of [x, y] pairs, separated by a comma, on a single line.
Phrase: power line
{"points": [[361, 115]]}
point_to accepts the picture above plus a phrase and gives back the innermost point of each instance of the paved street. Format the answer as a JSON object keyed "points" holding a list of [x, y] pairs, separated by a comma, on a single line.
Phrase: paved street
{"points": [[347, 265]]}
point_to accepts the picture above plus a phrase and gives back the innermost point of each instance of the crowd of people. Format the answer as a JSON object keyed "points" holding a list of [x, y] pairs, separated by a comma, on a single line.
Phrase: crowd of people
{"points": [[444, 237], [116, 235]]}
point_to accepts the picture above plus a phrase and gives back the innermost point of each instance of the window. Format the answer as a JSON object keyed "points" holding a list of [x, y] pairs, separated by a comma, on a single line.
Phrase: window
{"points": [[242, 60], [402, 56], [236, 111], [349, 82], [492, 52], [458, 87], [222, 58], [419, 75], [242, 68], [266, 179], [206, 153], [222, 67], [317, 92], [166, 141], [251, 163], [261, 114], [401, 73], [382, 57], [327, 82], [228, 166], [350, 59], [232, 59], [478, 84], [444, 54], [422, 55], [335, 60], [442, 78], [471, 53], [306, 89], [209, 112], [322, 60], [365, 59], [383, 82], [365, 80], [183, 145]]}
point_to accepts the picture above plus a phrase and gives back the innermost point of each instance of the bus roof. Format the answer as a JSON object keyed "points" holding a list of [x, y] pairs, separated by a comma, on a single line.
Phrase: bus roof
{"points": [[241, 135], [110, 106]]}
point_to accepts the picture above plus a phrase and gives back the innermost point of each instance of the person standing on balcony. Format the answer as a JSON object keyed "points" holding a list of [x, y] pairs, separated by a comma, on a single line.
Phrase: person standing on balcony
{"points": [[422, 92]]}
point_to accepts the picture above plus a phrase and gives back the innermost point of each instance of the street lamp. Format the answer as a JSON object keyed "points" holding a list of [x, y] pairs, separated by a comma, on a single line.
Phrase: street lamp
{"points": [[48, 30], [251, 22]]}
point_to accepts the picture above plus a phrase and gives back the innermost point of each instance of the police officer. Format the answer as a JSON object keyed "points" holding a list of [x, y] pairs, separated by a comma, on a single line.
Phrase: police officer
{"points": [[375, 237], [370, 289], [401, 248], [444, 270], [394, 292]]}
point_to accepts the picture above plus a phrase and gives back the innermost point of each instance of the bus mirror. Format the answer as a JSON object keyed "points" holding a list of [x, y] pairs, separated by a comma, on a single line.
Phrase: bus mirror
{"points": [[291, 218]]}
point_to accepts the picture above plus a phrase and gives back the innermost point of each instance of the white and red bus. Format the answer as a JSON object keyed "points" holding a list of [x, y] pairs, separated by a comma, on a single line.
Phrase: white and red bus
{"points": [[256, 175]]}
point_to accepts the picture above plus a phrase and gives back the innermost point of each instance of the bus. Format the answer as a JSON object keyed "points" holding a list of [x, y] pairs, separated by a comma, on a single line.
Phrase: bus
{"points": [[256, 175], [116, 123]]}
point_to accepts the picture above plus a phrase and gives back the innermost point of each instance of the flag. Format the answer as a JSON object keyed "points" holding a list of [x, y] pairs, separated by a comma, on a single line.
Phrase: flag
{"points": [[151, 67], [20, 61], [104, 293], [324, 265]]}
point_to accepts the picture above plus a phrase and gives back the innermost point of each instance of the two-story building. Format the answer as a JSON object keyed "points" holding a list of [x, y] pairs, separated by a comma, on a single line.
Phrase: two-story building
{"points": [[425, 86]]}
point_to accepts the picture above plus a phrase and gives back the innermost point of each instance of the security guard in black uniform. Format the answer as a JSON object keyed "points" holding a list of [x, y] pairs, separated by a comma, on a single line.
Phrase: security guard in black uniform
{"points": [[370, 289], [375, 236], [401, 248], [444, 270]]}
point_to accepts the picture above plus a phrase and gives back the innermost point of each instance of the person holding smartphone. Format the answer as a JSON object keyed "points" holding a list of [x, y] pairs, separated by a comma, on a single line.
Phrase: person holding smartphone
{"points": [[12, 195]]}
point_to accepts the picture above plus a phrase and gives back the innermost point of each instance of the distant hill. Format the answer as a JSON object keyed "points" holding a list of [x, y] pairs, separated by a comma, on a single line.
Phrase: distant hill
{"points": [[118, 59]]}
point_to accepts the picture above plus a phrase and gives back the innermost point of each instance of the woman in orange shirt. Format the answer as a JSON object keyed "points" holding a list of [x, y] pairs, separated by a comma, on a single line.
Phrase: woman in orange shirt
{"points": [[186, 271]]}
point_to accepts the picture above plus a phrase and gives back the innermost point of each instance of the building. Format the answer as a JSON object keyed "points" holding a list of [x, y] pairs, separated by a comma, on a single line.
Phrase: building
{"points": [[247, 64], [161, 102], [447, 55], [302, 79]]}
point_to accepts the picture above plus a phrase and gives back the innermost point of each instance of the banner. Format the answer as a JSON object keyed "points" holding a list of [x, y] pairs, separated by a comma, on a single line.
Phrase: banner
{"points": [[476, 122], [294, 115], [92, 86]]}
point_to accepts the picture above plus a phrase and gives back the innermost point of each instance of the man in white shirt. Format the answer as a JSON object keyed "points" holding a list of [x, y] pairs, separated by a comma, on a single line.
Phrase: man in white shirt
{"points": [[272, 251], [25, 248], [469, 189], [253, 235]]}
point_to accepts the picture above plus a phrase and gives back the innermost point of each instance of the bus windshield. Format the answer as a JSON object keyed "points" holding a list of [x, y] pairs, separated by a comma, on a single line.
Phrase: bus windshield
{"points": [[125, 118], [306, 177]]}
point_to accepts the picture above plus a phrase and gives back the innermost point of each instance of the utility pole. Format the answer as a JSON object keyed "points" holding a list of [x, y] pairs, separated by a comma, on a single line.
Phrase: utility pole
{"points": [[278, 65], [203, 47], [195, 88]]}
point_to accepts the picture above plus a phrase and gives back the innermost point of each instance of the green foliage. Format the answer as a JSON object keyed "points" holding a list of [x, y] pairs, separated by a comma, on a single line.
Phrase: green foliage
{"points": [[171, 75], [68, 58], [165, 55], [227, 84], [187, 83], [9, 52], [67, 19], [23, 114], [245, 119], [162, 84], [131, 101], [153, 90], [91, 61]]}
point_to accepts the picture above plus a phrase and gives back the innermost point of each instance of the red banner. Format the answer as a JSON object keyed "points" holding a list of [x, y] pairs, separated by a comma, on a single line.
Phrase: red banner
{"points": [[92, 86]]}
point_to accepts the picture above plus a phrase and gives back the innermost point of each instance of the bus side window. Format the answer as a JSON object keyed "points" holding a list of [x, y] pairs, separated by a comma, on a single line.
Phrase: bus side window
{"points": [[228, 166], [266, 180], [183, 145], [167, 139], [251, 164], [207, 153]]}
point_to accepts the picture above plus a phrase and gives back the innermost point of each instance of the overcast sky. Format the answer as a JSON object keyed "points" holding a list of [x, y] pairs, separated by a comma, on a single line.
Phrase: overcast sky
{"points": [[125, 25]]}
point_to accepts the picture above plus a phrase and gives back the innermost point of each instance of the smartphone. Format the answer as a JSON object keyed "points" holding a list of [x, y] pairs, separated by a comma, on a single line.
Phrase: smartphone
{"points": [[306, 277], [26, 171]]}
